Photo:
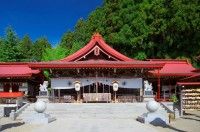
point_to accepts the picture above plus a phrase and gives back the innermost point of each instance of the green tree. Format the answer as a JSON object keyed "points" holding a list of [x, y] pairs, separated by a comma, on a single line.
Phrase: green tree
{"points": [[1, 49], [39, 47], [75, 47], [54, 53], [25, 48], [145, 29], [67, 40], [9, 47]]}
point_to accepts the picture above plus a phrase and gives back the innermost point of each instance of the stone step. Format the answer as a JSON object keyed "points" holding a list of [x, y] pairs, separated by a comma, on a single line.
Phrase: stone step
{"points": [[99, 116], [92, 111]]}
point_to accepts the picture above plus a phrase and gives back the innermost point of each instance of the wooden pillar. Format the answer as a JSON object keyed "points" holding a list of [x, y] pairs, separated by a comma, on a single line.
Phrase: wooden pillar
{"points": [[59, 95], [170, 89], [89, 87], [83, 89], [78, 96], [96, 82], [96, 87], [103, 88], [158, 90], [83, 93], [52, 94]]}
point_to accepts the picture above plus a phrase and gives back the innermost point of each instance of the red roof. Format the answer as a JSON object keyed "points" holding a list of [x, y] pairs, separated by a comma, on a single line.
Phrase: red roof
{"points": [[11, 70], [96, 40], [174, 68], [195, 76], [97, 64], [11, 94], [114, 58]]}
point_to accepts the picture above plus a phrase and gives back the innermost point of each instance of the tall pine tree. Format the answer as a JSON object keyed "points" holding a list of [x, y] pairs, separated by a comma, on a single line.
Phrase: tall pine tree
{"points": [[25, 48], [10, 51], [39, 48]]}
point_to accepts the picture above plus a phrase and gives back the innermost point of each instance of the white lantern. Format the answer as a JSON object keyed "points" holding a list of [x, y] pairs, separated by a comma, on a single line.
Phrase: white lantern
{"points": [[77, 86], [115, 86]]}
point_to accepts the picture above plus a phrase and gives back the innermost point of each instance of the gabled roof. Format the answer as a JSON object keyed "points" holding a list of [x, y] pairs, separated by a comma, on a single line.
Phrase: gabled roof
{"points": [[174, 68], [98, 41], [97, 54], [16, 70]]}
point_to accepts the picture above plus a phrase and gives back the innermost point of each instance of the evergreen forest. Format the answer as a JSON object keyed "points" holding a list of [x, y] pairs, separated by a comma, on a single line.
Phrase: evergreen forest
{"points": [[140, 29]]}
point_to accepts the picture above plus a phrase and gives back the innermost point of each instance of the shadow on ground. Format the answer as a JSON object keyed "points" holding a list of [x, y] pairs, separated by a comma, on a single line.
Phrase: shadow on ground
{"points": [[190, 114], [10, 125], [189, 118], [159, 122]]}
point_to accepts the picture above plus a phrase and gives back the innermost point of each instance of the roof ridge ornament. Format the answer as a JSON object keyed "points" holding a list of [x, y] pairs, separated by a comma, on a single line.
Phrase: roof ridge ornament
{"points": [[96, 35]]}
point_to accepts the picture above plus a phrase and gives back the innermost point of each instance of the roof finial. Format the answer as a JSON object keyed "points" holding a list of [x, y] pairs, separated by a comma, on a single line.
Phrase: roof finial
{"points": [[96, 35]]}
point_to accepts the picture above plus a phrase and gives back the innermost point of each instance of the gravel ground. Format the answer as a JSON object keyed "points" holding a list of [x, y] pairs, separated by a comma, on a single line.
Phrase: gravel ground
{"points": [[75, 125], [188, 123]]}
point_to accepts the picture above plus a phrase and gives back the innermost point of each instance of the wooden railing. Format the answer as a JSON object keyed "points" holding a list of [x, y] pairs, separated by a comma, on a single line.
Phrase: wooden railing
{"points": [[63, 99], [97, 97], [124, 98]]}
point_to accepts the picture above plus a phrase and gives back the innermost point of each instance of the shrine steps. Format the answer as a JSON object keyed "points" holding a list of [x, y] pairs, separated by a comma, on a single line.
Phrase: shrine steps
{"points": [[93, 110]]}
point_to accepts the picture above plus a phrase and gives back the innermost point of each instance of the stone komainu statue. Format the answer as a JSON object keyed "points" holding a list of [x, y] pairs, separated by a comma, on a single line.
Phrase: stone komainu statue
{"points": [[147, 86], [43, 87]]}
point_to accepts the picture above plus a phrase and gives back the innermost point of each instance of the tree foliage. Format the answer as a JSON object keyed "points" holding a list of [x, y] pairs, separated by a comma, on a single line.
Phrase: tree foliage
{"points": [[54, 53], [140, 29], [39, 48], [25, 48], [145, 28], [9, 46]]}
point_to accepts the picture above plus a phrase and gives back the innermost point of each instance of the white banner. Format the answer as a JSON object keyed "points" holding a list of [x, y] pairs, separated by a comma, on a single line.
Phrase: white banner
{"points": [[68, 83]]}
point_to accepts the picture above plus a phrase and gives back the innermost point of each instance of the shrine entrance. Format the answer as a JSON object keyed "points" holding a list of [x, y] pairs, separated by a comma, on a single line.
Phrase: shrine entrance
{"points": [[97, 92], [105, 93], [101, 90]]}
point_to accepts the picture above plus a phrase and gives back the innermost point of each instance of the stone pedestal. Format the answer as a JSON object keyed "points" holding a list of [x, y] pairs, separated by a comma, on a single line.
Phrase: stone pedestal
{"points": [[43, 93], [39, 118], [43, 98], [148, 98], [154, 118]]}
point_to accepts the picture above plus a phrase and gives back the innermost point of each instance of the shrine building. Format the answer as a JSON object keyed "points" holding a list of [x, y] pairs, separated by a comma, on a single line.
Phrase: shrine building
{"points": [[98, 73]]}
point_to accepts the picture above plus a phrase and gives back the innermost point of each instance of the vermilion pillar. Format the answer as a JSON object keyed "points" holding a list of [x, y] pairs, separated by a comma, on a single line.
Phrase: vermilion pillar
{"points": [[158, 90]]}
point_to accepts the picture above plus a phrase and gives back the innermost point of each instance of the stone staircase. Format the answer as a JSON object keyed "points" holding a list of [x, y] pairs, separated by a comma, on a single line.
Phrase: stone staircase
{"points": [[92, 110]]}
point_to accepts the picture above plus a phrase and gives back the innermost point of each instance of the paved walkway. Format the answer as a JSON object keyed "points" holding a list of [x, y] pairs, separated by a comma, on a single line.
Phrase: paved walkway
{"points": [[87, 118], [99, 122], [97, 125]]}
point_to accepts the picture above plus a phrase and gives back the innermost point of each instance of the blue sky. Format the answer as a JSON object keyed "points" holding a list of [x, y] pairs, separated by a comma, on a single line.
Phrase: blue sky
{"points": [[49, 18]]}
